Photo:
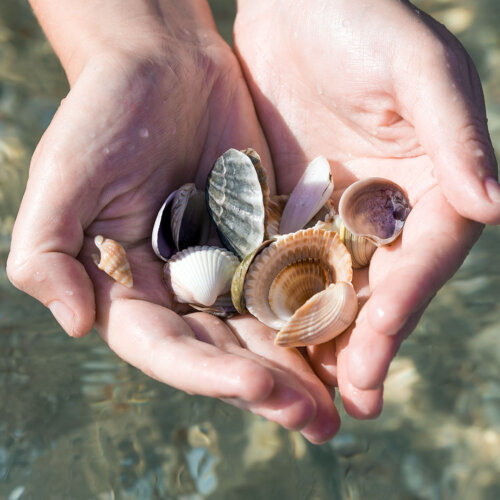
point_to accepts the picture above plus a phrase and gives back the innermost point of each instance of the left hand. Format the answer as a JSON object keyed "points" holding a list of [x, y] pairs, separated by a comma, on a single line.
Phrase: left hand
{"points": [[380, 90]]}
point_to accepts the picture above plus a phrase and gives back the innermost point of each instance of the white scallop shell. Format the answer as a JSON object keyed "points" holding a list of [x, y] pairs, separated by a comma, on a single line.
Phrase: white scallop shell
{"points": [[198, 275]]}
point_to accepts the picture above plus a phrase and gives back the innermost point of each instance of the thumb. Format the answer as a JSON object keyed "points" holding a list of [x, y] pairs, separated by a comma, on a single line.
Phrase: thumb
{"points": [[446, 106], [48, 235]]}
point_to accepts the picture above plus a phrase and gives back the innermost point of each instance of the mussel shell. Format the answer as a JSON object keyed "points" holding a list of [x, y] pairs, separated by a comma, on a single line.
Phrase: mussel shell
{"points": [[161, 238], [235, 202], [375, 208]]}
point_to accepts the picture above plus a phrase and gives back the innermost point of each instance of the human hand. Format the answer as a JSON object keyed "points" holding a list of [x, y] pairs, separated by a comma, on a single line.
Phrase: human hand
{"points": [[145, 114], [380, 89]]}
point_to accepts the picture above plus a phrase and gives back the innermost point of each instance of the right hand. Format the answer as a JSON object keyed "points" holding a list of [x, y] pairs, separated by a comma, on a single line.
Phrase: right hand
{"points": [[144, 115]]}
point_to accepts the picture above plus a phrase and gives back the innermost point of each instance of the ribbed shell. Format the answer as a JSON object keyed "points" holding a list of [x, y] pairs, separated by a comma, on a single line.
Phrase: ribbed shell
{"points": [[274, 212], [113, 260], [323, 317], [306, 246], [235, 202], [360, 247], [309, 195], [375, 208], [198, 275]]}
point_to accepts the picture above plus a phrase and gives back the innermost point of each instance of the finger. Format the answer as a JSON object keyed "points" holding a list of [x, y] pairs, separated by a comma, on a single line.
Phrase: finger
{"points": [[46, 240], [404, 280], [162, 345], [318, 422], [407, 275], [446, 106]]}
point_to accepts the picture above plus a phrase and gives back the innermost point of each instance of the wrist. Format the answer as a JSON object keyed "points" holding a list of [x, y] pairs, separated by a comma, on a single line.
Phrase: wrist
{"points": [[80, 31]]}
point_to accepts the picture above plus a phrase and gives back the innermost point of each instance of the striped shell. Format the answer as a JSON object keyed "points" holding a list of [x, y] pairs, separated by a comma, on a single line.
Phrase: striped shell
{"points": [[113, 260], [199, 275], [235, 194], [286, 281]]}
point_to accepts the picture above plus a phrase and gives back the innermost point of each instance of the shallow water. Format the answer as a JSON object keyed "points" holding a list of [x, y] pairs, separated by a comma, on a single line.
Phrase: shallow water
{"points": [[78, 423]]}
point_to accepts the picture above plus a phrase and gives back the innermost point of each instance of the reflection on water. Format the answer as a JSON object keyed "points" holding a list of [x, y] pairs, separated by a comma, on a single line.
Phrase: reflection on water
{"points": [[78, 423]]}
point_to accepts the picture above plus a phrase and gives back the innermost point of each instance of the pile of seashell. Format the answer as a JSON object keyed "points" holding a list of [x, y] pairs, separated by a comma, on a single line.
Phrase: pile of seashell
{"points": [[288, 260]]}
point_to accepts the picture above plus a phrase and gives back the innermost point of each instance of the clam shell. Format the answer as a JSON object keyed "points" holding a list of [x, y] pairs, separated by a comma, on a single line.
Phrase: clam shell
{"points": [[189, 220], [236, 203], [302, 247], [324, 316], [198, 275], [161, 238], [309, 195], [113, 260], [375, 208]]}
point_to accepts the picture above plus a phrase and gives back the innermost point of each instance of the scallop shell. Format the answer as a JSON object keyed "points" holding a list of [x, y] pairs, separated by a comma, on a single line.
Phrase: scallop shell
{"points": [[198, 275], [113, 260], [236, 202], [298, 250], [309, 195], [324, 316], [375, 208]]}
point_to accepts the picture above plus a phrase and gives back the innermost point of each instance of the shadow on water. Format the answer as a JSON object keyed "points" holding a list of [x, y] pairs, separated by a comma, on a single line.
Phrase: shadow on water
{"points": [[78, 423]]}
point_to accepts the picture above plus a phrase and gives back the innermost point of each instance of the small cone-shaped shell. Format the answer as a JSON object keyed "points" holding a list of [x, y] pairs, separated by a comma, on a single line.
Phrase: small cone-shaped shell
{"points": [[113, 260], [198, 275], [375, 208], [309, 195], [235, 202], [303, 247], [323, 317]]}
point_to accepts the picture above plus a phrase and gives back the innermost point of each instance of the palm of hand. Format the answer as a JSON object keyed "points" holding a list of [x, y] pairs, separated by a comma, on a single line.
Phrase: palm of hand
{"points": [[137, 157], [348, 107]]}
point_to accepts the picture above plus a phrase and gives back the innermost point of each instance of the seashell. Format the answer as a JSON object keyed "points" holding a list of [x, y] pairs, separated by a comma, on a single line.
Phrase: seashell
{"points": [[275, 209], [375, 208], [182, 221], [235, 202], [360, 247], [309, 195], [286, 265], [239, 276], [223, 307], [200, 274], [324, 316], [113, 260], [161, 238]]}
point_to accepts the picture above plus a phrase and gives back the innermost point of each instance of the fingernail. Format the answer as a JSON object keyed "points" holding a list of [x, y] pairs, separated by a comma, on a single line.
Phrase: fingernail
{"points": [[63, 314], [492, 189]]}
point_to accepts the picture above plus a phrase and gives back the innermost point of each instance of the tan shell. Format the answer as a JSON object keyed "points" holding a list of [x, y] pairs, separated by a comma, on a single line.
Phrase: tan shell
{"points": [[324, 316], [113, 260], [275, 209], [286, 265], [360, 248]]}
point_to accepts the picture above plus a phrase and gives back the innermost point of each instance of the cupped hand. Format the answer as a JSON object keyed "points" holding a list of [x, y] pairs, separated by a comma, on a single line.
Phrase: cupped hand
{"points": [[380, 89], [136, 125]]}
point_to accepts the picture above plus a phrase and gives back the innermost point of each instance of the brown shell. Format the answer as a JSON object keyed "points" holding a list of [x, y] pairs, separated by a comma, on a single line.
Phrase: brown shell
{"points": [[113, 260]]}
